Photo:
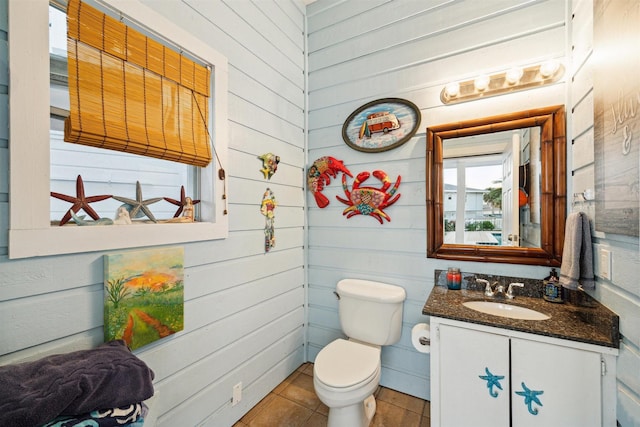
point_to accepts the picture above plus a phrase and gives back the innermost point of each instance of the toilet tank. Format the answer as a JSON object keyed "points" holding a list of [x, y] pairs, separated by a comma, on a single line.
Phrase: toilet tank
{"points": [[370, 311]]}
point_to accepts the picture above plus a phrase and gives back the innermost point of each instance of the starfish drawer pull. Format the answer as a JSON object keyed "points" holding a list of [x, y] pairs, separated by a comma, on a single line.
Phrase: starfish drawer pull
{"points": [[492, 380], [530, 397]]}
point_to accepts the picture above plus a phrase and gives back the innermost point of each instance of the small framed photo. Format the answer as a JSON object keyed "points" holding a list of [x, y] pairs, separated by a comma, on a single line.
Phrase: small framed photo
{"points": [[381, 125]]}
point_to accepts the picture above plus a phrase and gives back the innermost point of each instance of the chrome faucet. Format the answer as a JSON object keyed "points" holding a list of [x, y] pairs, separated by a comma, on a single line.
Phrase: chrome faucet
{"points": [[497, 289], [510, 289], [488, 292]]}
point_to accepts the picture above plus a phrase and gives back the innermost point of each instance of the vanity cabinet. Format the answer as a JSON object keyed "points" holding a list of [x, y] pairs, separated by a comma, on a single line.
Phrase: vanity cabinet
{"points": [[486, 376]]}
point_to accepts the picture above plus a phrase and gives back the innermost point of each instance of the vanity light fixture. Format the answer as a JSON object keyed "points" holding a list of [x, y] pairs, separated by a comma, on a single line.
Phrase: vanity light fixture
{"points": [[513, 75], [511, 80], [481, 83], [548, 69], [452, 89]]}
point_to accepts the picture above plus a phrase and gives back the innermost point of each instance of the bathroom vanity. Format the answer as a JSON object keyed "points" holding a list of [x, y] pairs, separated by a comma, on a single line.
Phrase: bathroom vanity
{"points": [[493, 370]]}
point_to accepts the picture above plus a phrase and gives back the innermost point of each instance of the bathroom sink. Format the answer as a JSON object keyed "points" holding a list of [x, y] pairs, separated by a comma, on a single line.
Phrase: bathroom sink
{"points": [[505, 310]]}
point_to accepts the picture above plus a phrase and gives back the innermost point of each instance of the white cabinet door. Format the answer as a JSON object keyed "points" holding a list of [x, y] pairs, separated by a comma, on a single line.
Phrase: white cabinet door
{"points": [[474, 378], [554, 386]]}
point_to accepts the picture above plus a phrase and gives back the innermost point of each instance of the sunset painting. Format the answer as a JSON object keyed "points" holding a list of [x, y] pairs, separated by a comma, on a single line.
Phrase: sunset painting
{"points": [[143, 295]]}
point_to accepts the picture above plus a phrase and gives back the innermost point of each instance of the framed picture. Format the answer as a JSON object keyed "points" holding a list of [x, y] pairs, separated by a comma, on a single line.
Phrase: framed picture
{"points": [[143, 295], [616, 122], [381, 125]]}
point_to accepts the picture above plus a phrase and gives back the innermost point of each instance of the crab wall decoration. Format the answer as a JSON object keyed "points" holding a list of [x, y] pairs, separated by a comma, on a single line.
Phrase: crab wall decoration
{"points": [[369, 200]]}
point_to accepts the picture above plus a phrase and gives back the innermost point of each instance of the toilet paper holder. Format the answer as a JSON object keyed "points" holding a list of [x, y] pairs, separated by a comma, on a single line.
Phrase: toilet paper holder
{"points": [[424, 341]]}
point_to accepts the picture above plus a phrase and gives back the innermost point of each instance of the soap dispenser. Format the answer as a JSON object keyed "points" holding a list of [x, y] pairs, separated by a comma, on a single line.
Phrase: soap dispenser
{"points": [[552, 290]]}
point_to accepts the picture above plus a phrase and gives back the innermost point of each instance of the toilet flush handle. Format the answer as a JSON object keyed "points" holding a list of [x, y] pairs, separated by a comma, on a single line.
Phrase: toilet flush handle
{"points": [[336, 294]]}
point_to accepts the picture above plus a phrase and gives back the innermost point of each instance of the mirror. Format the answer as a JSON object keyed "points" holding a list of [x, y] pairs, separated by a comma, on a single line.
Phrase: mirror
{"points": [[512, 169]]}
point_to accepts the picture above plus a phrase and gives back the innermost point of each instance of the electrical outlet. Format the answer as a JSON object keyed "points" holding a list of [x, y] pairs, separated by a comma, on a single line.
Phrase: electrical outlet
{"points": [[237, 394], [605, 264]]}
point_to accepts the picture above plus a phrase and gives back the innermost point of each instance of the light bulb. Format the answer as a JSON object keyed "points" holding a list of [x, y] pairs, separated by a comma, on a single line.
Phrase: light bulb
{"points": [[452, 89], [481, 83], [513, 75], [549, 68]]}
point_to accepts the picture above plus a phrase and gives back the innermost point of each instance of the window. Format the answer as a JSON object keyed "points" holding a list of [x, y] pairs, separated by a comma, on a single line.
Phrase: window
{"points": [[30, 232], [104, 171]]}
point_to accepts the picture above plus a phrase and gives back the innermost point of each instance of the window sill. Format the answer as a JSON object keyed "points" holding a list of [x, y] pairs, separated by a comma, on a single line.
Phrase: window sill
{"points": [[72, 239]]}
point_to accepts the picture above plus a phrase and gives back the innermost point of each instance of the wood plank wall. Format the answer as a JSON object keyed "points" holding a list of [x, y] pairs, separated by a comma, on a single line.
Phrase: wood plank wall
{"points": [[360, 51], [4, 131], [244, 309], [622, 293]]}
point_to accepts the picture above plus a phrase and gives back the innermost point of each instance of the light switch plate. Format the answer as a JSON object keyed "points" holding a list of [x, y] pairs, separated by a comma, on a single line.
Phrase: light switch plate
{"points": [[605, 264], [237, 394]]}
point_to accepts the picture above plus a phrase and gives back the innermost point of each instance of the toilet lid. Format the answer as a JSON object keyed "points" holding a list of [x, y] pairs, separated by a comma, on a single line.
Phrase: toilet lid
{"points": [[345, 363]]}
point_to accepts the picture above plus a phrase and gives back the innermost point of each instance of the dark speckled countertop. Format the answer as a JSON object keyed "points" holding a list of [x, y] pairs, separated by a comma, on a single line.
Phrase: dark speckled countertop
{"points": [[585, 321]]}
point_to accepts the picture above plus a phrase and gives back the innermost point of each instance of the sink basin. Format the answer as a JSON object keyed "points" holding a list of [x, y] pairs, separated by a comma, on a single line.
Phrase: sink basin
{"points": [[505, 310]]}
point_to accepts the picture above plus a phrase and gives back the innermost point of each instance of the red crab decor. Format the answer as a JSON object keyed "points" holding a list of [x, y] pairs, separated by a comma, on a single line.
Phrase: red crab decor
{"points": [[318, 176], [369, 200]]}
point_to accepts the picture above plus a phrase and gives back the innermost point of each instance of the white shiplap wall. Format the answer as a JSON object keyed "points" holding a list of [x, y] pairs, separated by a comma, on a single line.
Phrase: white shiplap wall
{"points": [[360, 51], [244, 309], [622, 294]]}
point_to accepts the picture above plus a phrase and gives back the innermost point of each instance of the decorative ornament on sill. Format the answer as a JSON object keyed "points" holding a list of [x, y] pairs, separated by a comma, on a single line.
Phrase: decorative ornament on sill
{"points": [[80, 220], [269, 164], [188, 213], [139, 205], [267, 208], [319, 174], [122, 216], [79, 202], [131, 209], [182, 203], [369, 200]]}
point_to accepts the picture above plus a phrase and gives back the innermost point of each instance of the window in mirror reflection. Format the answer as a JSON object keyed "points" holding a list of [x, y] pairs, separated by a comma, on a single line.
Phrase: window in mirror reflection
{"points": [[491, 186]]}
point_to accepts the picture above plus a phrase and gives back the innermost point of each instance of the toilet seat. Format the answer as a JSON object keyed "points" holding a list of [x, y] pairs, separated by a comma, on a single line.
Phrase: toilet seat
{"points": [[345, 365]]}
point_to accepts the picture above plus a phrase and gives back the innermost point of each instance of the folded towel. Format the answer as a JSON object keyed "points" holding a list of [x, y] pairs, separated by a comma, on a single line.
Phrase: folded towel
{"points": [[577, 255], [114, 417], [109, 376]]}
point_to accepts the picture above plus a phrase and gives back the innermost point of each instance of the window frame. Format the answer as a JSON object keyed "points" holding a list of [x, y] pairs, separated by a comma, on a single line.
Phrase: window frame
{"points": [[30, 231]]}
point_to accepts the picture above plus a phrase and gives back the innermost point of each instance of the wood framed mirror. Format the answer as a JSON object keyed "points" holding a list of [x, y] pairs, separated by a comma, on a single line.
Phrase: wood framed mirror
{"points": [[516, 226]]}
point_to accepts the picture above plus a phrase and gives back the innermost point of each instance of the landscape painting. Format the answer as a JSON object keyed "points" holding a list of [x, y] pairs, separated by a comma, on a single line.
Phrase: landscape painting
{"points": [[143, 295]]}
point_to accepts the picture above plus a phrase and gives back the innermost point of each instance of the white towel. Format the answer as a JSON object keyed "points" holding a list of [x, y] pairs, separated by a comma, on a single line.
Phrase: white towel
{"points": [[577, 255]]}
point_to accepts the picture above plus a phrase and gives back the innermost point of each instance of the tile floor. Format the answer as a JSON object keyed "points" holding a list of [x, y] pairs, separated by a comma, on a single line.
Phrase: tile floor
{"points": [[293, 403]]}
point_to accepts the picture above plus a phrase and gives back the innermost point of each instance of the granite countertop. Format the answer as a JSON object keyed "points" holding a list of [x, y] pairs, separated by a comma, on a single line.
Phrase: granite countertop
{"points": [[590, 323]]}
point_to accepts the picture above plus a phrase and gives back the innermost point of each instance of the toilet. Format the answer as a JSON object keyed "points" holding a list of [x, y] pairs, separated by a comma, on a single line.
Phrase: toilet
{"points": [[346, 372]]}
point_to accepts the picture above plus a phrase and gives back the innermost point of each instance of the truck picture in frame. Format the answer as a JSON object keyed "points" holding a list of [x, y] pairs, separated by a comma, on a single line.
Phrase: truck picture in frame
{"points": [[381, 125]]}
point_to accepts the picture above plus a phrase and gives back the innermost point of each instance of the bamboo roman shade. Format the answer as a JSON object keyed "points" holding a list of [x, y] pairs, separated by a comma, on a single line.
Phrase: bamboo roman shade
{"points": [[130, 93]]}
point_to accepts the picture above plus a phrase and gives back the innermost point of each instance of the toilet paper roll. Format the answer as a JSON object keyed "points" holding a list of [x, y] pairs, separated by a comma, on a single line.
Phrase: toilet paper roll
{"points": [[421, 337]]}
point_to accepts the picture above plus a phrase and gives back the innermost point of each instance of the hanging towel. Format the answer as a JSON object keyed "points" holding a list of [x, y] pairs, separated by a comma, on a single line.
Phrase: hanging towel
{"points": [[577, 255]]}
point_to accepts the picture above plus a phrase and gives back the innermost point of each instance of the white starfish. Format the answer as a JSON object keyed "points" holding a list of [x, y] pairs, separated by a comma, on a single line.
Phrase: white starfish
{"points": [[139, 204]]}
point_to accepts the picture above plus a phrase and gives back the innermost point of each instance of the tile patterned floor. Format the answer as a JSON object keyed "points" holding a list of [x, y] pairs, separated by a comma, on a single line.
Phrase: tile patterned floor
{"points": [[293, 403]]}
